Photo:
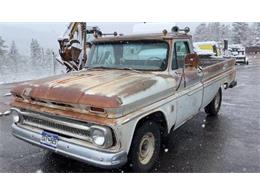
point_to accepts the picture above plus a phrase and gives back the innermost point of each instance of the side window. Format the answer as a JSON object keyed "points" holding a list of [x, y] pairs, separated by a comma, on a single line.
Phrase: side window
{"points": [[181, 49]]}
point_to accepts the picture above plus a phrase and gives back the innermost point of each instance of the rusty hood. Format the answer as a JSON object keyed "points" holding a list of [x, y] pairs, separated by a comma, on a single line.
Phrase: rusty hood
{"points": [[117, 91]]}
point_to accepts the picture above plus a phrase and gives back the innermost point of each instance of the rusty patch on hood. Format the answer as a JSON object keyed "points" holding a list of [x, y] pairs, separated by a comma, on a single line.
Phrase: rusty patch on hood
{"points": [[137, 86], [68, 95]]}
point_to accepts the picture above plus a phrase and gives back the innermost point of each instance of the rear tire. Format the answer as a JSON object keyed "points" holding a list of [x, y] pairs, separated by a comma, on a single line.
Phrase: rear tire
{"points": [[213, 107], [145, 148]]}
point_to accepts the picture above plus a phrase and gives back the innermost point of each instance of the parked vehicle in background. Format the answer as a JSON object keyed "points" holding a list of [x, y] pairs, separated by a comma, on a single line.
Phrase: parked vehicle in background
{"points": [[208, 48], [239, 53], [133, 91]]}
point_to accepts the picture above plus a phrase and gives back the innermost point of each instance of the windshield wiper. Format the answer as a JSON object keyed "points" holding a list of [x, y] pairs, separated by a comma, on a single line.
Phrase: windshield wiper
{"points": [[98, 67], [113, 68], [127, 68]]}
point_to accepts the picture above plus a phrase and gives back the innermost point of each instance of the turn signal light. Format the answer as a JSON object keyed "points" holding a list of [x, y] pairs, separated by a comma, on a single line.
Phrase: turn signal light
{"points": [[95, 109]]}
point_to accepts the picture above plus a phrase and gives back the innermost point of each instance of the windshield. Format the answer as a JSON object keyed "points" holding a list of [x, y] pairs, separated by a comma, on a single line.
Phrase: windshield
{"points": [[144, 55]]}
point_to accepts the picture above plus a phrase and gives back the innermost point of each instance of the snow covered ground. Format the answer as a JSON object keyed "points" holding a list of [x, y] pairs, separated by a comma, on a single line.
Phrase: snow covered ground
{"points": [[10, 76]]}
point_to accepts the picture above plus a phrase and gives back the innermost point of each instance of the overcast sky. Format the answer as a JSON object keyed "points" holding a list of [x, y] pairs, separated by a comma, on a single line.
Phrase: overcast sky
{"points": [[48, 33]]}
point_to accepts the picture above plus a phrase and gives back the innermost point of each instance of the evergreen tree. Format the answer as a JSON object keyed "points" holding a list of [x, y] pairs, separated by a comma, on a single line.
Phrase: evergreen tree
{"points": [[13, 52], [255, 34], [214, 31], [36, 52], [201, 32], [225, 32], [3, 47], [3, 59], [48, 57], [240, 33], [13, 58]]}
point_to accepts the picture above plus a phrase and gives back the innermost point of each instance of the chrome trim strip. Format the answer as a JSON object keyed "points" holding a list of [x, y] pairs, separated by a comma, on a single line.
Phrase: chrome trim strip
{"points": [[93, 157], [60, 122], [54, 130]]}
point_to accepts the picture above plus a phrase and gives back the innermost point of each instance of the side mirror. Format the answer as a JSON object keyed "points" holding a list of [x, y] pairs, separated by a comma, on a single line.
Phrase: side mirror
{"points": [[191, 60]]}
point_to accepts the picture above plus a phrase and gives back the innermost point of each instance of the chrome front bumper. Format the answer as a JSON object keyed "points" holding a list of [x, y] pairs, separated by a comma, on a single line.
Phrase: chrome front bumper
{"points": [[93, 157]]}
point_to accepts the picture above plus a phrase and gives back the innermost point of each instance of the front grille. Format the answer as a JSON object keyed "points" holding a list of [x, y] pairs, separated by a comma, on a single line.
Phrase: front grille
{"points": [[57, 126]]}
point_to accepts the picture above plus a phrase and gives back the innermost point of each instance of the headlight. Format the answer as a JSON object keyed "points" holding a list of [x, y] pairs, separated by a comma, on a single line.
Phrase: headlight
{"points": [[98, 137], [101, 136], [16, 116]]}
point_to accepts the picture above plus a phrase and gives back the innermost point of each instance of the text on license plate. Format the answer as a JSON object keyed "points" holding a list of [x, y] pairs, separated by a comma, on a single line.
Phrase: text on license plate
{"points": [[49, 139]]}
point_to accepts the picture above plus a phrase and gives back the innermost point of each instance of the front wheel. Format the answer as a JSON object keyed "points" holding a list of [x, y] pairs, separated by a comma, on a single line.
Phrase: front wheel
{"points": [[214, 106], [145, 147]]}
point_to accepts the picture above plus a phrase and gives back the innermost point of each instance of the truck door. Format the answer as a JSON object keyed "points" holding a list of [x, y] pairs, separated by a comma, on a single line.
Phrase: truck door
{"points": [[190, 88]]}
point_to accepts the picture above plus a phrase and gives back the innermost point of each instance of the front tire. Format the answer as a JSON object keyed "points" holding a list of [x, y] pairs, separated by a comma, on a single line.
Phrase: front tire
{"points": [[213, 107], [145, 147]]}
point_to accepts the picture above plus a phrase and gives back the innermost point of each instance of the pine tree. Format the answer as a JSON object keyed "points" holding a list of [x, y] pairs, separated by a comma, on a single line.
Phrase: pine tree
{"points": [[201, 32], [214, 31], [13, 52], [255, 35], [225, 32], [13, 57], [48, 57], [3, 47], [3, 59], [240, 33], [36, 52]]}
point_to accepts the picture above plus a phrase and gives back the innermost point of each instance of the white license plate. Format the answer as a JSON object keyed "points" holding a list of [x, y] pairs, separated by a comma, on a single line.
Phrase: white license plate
{"points": [[49, 139]]}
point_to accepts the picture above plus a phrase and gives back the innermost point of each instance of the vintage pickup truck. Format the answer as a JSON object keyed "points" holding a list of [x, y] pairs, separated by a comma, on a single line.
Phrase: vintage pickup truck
{"points": [[134, 91]]}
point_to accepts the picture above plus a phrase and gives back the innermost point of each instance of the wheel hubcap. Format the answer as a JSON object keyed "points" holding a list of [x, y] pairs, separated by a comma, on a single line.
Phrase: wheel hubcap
{"points": [[146, 148]]}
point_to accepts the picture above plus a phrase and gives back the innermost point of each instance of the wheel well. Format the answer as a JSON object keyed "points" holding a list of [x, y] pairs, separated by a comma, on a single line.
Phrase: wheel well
{"points": [[157, 117], [220, 89]]}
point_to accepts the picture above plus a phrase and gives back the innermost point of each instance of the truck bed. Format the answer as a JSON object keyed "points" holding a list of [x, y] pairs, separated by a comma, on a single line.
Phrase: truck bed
{"points": [[208, 61]]}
